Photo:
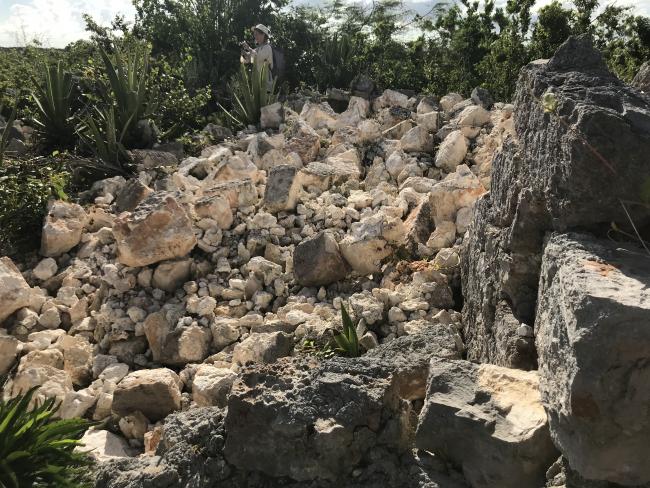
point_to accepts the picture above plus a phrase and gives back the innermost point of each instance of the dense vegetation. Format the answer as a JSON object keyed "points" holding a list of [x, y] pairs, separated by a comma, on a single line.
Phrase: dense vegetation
{"points": [[177, 68]]}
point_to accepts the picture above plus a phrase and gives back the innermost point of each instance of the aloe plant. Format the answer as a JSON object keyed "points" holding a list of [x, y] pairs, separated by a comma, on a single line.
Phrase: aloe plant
{"points": [[37, 450], [4, 138], [54, 100], [127, 75], [250, 93], [100, 133], [347, 340]]}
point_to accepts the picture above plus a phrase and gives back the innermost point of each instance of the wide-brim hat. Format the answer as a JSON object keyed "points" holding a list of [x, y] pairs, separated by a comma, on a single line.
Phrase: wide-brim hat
{"points": [[263, 29]]}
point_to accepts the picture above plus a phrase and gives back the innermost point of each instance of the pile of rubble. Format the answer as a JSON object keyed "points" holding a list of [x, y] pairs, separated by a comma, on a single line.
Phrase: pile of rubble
{"points": [[216, 281]]}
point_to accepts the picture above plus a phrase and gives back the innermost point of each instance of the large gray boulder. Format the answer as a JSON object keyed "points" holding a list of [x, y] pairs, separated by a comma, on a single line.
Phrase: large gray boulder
{"points": [[488, 420], [566, 168], [593, 340]]}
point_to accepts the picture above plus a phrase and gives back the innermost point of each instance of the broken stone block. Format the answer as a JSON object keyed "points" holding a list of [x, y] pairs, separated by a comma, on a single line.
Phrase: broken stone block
{"points": [[263, 348], [238, 193], [157, 230], [176, 345], [171, 275], [154, 392], [429, 121], [15, 293], [77, 357], [318, 261], [62, 229], [9, 349], [45, 269], [592, 338], [449, 101], [282, 189], [444, 235], [130, 195], [459, 189], [52, 382], [103, 446], [217, 208], [318, 115], [303, 140], [489, 421], [417, 139], [390, 98]]}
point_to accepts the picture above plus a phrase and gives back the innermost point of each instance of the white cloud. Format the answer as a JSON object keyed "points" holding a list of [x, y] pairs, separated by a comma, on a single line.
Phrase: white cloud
{"points": [[57, 22]]}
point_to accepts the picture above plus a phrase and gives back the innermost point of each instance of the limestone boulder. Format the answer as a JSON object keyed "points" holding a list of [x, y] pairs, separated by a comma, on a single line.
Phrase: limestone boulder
{"points": [[452, 151], [489, 421], [62, 228], [154, 392], [211, 385], [15, 293], [592, 338], [157, 230], [317, 261]]}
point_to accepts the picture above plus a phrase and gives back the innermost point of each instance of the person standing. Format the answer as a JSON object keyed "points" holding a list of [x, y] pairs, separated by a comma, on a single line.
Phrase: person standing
{"points": [[262, 53]]}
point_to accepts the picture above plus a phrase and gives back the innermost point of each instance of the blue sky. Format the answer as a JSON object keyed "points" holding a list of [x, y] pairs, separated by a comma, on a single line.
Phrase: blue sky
{"points": [[57, 22]]}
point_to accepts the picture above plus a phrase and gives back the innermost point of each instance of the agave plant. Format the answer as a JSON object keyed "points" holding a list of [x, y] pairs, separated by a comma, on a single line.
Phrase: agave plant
{"points": [[4, 137], [55, 122], [250, 93], [37, 450], [347, 340], [127, 75], [101, 136], [335, 58]]}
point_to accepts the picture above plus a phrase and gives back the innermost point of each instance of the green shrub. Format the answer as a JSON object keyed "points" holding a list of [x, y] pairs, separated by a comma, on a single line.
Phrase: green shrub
{"points": [[250, 94], [99, 133], [25, 188], [37, 450], [127, 92], [54, 120], [4, 137], [347, 340]]}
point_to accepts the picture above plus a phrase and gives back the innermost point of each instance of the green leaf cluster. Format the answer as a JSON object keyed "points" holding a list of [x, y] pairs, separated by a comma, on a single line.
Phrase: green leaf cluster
{"points": [[347, 340], [38, 450]]}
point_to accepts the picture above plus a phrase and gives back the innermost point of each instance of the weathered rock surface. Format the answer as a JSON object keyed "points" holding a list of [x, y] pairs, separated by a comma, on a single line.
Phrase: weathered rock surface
{"points": [[592, 337], [157, 230], [642, 78], [549, 178], [488, 420]]}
